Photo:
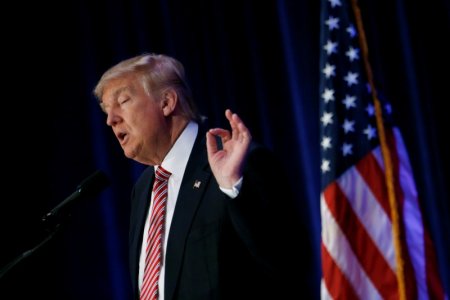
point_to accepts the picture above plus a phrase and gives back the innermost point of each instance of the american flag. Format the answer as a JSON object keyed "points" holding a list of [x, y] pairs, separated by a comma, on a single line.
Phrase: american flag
{"points": [[360, 242]]}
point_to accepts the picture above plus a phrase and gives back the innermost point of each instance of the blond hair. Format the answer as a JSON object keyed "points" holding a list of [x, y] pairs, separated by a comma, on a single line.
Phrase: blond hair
{"points": [[154, 71]]}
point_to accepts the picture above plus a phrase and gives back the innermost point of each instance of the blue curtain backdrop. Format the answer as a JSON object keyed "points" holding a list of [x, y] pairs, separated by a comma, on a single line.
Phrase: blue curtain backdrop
{"points": [[259, 58]]}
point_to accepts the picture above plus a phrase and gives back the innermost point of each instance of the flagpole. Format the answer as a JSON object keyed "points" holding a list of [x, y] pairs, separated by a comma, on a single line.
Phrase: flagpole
{"points": [[386, 155]]}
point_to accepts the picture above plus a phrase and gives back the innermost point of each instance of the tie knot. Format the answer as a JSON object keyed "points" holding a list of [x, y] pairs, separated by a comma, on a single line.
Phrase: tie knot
{"points": [[162, 174]]}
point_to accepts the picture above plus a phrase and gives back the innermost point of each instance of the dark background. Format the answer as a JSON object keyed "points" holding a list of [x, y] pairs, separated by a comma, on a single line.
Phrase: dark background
{"points": [[259, 58]]}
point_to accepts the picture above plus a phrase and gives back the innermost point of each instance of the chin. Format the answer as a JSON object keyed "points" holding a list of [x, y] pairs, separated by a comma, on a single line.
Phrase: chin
{"points": [[129, 154]]}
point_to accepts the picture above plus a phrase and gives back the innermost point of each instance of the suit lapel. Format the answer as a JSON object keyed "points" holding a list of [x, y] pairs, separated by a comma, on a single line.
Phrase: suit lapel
{"points": [[195, 179]]}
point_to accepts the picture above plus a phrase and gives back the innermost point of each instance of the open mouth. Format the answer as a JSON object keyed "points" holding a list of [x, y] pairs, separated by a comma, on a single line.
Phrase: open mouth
{"points": [[121, 136]]}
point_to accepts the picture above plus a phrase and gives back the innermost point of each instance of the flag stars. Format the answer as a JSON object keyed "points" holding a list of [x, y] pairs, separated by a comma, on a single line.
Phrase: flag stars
{"points": [[351, 31], [335, 3], [349, 101], [370, 109], [330, 47], [352, 53], [370, 132], [348, 126], [328, 95], [329, 70], [326, 142], [388, 108], [332, 23], [327, 118], [351, 78], [325, 166], [347, 149]]}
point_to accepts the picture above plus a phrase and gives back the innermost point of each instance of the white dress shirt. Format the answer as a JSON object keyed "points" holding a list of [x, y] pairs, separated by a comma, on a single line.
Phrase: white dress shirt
{"points": [[175, 162]]}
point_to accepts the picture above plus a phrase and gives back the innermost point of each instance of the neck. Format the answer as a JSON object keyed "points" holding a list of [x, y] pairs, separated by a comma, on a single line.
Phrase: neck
{"points": [[177, 125]]}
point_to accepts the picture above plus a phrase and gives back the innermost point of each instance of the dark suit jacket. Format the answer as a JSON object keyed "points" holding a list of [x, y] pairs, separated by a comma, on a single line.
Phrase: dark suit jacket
{"points": [[223, 248]]}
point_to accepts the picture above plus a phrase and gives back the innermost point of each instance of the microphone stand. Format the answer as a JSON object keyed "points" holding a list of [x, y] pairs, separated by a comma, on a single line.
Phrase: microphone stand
{"points": [[90, 186], [27, 253]]}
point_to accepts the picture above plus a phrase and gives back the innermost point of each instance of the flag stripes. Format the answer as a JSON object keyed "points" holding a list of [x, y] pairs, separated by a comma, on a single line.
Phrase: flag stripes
{"points": [[358, 238], [375, 243]]}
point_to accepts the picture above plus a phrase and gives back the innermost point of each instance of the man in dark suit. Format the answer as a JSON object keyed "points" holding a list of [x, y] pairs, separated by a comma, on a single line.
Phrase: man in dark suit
{"points": [[228, 220]]}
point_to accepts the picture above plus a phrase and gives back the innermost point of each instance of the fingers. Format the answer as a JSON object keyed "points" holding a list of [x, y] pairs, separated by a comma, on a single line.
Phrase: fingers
{"points": [[238, 129], [211, 144], [244, 133], [233, 119], [239, 132], [222, 133]]}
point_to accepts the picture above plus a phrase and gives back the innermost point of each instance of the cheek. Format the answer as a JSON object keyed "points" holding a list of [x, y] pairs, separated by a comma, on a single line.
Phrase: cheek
{"points": [[142, 124], [137, 117], [146, 119]]}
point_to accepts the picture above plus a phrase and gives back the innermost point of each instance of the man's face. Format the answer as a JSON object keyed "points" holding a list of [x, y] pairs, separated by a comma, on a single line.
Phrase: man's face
{"points": [[136, 119]]}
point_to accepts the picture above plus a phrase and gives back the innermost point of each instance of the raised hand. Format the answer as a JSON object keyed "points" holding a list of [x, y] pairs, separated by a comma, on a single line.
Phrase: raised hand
{"points": [[227, 163]]}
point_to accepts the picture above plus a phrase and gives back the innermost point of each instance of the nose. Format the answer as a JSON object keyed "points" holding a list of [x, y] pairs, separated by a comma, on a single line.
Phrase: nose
{"points": [[113, 118]]}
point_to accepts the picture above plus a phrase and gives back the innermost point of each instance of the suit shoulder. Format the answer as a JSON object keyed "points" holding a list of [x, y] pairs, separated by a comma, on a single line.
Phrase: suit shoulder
{"points": [[259, 153], [144, 176]]}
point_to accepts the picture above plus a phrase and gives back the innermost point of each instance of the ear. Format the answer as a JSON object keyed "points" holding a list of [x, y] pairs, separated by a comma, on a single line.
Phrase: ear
{"points": [[169, 101]]}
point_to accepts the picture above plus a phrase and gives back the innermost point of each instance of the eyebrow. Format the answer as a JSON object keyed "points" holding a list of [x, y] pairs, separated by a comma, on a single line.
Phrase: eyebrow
{"points": [[114, 96], [119, 91]]}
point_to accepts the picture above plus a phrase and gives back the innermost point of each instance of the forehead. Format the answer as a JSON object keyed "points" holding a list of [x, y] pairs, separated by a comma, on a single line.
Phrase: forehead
{"points": [[115, 87]]}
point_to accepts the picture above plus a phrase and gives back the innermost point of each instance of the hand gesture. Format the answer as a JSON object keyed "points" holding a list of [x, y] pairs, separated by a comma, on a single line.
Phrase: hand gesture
{"points": [[227, 163]]}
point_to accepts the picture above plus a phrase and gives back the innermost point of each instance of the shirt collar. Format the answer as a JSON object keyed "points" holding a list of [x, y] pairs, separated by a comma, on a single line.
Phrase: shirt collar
{"points": [[176, 160]]}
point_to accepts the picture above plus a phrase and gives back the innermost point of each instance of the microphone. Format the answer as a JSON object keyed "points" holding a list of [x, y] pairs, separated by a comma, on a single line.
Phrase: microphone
{"points": [[91, 186]]}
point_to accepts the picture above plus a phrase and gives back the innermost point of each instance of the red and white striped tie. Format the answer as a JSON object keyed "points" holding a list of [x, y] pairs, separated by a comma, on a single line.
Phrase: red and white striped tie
{"points": [[153, 257]]}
